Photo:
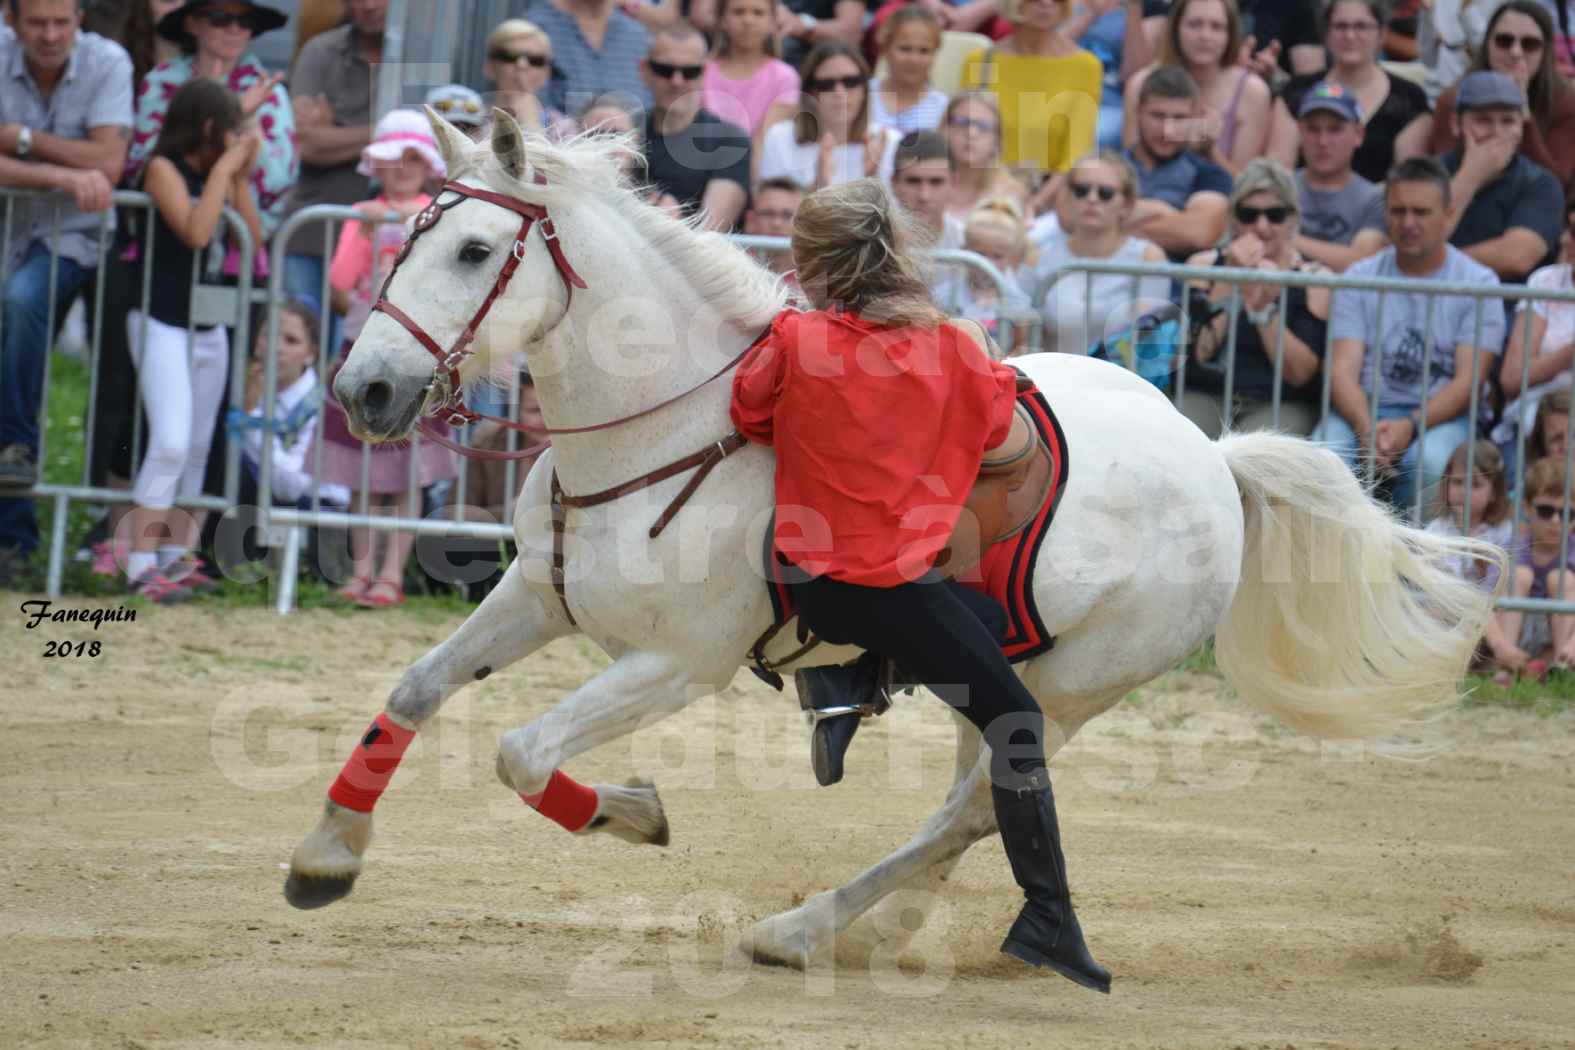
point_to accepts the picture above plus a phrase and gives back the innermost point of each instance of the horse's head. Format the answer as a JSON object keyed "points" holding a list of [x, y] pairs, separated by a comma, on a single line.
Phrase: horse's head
{"points": [[433, 322]]}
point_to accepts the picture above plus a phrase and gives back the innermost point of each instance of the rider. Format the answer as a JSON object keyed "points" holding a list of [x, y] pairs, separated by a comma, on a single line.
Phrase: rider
{"points": [[880, 412]]}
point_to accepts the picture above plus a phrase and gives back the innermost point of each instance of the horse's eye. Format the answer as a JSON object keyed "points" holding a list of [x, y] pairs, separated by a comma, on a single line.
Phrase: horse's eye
{"points": [[474, 253]]}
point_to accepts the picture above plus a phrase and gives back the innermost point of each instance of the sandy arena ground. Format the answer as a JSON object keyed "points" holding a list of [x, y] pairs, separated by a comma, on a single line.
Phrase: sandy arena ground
{"points": [[1248, 888]]}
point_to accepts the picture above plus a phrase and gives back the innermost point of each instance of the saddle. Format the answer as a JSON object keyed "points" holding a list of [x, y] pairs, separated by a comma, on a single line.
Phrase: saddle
{"points": [[1014, 480]]}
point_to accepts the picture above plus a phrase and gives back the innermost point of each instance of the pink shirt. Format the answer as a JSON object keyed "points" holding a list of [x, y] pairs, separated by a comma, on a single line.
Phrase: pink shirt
{"points": [[362, 263], [744, 102]]}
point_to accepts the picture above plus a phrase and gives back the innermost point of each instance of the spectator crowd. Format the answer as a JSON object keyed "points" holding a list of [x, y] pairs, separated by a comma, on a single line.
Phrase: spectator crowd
{"points": [[1428, 140]]}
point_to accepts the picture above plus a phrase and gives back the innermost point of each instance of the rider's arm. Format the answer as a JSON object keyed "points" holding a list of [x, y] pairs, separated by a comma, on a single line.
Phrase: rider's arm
{"points": [[757, 385]]}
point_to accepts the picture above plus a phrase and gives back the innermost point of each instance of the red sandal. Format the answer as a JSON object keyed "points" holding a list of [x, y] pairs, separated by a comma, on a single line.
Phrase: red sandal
{"points": [[381, 594]]}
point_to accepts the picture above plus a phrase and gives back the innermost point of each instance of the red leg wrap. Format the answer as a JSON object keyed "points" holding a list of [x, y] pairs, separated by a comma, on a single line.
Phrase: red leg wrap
{"points": [[564, 800], [371, 766]]}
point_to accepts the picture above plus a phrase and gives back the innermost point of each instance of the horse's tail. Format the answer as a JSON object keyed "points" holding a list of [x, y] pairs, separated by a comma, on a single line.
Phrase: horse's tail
{"points": [[1346, 622]]}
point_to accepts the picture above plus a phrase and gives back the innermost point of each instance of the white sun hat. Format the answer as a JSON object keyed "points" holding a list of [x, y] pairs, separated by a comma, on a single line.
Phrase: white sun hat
{"points": [[400, 130]]}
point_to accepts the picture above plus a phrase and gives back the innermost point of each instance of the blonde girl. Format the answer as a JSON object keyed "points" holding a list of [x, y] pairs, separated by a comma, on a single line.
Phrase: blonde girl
{"points": [[996, 230]]}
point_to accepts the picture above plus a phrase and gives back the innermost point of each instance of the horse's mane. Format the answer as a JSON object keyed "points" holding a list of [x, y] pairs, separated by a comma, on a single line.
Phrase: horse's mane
{"points": [[745, 292]]}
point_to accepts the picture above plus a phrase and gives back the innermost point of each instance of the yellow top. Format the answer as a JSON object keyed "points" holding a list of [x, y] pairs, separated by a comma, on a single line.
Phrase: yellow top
{"points": [[1049, 106]]}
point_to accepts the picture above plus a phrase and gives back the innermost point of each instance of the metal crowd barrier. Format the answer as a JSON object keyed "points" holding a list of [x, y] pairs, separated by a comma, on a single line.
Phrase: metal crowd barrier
{"points": [[1484, 297], [212, 304]]}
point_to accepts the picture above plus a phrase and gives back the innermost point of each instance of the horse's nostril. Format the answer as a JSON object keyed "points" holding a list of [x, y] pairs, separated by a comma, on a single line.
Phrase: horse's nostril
{"points": [[376, 397]]}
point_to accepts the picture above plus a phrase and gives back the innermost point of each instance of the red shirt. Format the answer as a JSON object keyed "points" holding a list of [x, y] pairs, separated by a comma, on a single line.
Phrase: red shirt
{"points": [[878, 431]]}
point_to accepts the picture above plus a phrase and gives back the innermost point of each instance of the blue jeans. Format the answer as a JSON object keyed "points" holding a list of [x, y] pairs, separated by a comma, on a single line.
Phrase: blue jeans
{"points": [[23, 354], [1434, 453], [303, 280]]}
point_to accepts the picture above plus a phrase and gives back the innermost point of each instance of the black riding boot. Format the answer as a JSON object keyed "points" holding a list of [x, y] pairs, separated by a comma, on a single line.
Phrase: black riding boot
{"points": [[1046, 932], [836, 699]]}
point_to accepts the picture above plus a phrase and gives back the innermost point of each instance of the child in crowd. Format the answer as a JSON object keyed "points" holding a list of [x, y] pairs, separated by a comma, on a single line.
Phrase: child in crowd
{"points": [[202, 162], [404, 157], [297, 404], [1485, 494], [995, 229], [1538, 572], [1549, 437], [903, 98], [744, 82]]}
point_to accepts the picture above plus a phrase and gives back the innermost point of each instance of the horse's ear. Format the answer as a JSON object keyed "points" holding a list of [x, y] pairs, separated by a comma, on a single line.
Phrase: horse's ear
{"points": [[508, 143], [454, 146]]}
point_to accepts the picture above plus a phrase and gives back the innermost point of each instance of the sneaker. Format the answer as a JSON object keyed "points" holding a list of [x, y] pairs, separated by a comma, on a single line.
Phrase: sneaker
{"points": [[188, 573], [18, 468], [108, 557], [158, 588]]}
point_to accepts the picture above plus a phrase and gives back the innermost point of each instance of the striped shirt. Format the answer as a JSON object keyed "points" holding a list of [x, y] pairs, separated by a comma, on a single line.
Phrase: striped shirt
{"points": [[581, 72], [93, 92]]}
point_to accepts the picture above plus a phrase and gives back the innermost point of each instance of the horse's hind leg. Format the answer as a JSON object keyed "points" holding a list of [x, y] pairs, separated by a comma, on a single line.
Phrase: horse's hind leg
{"points": [[808, 934], [510, 624]]}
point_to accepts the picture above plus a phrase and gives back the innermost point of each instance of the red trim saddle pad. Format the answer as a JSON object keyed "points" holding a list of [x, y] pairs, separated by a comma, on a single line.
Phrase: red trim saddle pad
{"points": [[1006, 572]]}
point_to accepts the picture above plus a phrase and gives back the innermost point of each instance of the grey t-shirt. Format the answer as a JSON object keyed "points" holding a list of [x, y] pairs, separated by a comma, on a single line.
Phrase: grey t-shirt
{"points": [[1400, 350], [1337, 216]]}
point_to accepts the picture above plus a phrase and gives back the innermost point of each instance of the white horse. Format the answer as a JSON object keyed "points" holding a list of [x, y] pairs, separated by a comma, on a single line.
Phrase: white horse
{"points": [[1327, 611]]}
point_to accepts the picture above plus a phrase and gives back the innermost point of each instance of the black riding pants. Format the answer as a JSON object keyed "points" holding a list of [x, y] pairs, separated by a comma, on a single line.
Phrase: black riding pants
{"points": [[948, 636]]}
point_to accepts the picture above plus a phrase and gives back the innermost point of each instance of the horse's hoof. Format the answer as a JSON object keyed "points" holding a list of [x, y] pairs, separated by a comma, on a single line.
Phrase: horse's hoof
{"points": [[632, 812], [316, 891]]}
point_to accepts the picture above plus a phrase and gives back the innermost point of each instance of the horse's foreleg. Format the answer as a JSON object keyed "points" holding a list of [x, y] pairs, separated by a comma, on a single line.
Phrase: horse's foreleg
{"points": [[639, 688], [807, 935], [509, 625]]}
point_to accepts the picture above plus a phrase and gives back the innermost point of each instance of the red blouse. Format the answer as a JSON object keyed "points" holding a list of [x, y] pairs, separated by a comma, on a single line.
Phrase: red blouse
{"points": [[878, 431]]}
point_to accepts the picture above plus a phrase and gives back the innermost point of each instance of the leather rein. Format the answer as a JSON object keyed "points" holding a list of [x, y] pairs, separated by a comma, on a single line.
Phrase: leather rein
{"points": [[456, 413]]}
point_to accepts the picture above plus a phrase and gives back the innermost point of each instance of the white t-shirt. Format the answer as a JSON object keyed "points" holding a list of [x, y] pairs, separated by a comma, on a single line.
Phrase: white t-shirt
{"points": [[1560, 332], [781, 155]]}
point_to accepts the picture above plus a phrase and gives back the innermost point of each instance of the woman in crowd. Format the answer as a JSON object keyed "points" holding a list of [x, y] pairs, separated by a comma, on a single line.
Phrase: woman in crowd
{"points": [[831, 138], [972, 125], [519, 62], [1204, 38], [138, 34], [744, 82], [1264, 213], [1544, 331], [202, 162], [1519, 43], [404, 158], [1395, 114], [903, 98], [875, 587], [1080, 310], [214, 37], [1047, 88]]}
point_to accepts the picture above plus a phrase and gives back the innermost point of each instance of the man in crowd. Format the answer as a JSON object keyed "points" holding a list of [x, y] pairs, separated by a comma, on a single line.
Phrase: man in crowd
{"points": [[1342, 213], [596, 50], [332, 88], [1183, 195], [65, 121], [1417, 380], [1507, 210], [920, 179], [775, 202], [692, 155]]}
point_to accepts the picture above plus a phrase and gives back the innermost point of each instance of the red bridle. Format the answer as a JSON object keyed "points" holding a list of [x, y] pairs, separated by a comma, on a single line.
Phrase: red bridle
{"points": [[449, 361]]}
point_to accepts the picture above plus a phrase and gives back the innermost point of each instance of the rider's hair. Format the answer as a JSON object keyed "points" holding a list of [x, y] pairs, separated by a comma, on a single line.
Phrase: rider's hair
{"points": [[854, 248]]}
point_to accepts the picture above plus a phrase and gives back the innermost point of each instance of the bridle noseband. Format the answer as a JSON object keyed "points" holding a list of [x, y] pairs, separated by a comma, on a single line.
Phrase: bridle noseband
{"points": [[449, 361]]}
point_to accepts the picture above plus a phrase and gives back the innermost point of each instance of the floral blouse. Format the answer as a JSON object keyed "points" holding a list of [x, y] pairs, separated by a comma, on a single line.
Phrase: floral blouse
{"points": [[278, 163]]}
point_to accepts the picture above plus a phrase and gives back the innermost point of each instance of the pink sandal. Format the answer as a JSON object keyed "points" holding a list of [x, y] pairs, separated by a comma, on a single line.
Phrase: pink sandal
{"points": [[354, 591], [381, 594]]}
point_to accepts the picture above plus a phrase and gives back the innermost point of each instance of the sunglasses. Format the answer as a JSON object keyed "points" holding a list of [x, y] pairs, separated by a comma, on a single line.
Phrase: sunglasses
{"points": [[829, 83], [226, 19], [1276, 214], [663, 71], [1081, 190], [514, 58], [973, 124], [1531, 45], [451, 105], [1547, 511]]}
